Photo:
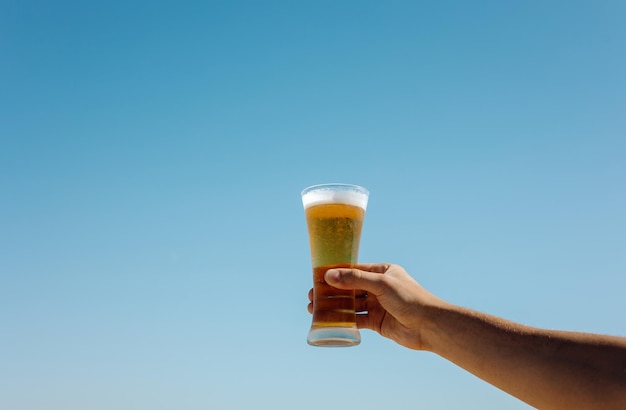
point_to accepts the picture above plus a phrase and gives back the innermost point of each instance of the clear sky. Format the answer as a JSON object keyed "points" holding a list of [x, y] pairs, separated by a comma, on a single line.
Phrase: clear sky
{"points": [[153, 249]]}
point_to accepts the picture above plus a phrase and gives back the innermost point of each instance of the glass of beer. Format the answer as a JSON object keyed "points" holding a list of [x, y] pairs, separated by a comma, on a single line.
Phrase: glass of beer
{"points": [[334, 216]]}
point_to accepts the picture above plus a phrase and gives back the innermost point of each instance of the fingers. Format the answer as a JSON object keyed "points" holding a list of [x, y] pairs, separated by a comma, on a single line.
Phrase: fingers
{"points": [[310, 306], [366, 277], [362, 302]]}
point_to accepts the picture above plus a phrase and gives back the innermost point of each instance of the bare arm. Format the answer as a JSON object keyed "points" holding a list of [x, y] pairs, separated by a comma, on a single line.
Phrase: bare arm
{"points": [[547, 369]]}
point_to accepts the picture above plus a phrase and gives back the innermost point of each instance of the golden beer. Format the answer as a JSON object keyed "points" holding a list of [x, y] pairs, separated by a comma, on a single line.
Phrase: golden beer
{"points": [[334, 215]]}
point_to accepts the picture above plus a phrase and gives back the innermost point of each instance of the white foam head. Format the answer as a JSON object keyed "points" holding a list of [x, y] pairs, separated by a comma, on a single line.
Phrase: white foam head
{"points": [[335, 194]]}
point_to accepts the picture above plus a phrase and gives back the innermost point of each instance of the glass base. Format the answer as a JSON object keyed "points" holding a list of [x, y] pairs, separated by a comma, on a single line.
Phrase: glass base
{"points": [[334, 336]]}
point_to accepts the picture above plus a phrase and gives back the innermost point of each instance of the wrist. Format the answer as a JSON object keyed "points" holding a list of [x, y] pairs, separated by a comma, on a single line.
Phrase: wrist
{"points": [[434, 316]]}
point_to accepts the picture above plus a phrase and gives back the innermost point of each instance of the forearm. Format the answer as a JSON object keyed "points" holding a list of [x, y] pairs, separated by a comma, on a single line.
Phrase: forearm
{"points": [[547, 369]]}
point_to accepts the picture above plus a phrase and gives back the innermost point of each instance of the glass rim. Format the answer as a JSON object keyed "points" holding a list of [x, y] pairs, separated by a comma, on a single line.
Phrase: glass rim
{"points": [[339, 186]]}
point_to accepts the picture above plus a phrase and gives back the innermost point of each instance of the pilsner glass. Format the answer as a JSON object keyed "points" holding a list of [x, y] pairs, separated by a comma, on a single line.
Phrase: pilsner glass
{"points": [[334, 216]]}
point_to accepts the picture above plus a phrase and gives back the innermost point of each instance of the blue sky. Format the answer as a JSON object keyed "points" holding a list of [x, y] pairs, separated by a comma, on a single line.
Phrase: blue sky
{"points": [[153, 249]]}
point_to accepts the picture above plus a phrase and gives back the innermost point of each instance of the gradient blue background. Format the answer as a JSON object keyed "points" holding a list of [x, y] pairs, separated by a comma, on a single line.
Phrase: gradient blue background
{"points": [[153, 249]]}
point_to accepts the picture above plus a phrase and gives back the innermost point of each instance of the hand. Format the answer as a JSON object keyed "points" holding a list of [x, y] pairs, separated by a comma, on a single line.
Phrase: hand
{"points": [[388, 301], [545, 368]]}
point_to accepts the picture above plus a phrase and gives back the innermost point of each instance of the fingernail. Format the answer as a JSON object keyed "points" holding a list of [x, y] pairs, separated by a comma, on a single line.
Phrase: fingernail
{"points": [[332, 275]]}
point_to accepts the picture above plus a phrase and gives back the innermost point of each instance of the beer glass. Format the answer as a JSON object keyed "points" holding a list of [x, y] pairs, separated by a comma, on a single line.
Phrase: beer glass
{"points": [[334, 216]]}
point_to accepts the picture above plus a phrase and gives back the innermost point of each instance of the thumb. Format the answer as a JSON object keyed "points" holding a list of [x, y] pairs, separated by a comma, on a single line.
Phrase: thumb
{"points": [[346, 278]]}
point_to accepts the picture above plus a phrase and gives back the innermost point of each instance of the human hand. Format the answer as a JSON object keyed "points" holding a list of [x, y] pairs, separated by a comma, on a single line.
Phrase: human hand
{"points": [[588, 373], [388, 301]]}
